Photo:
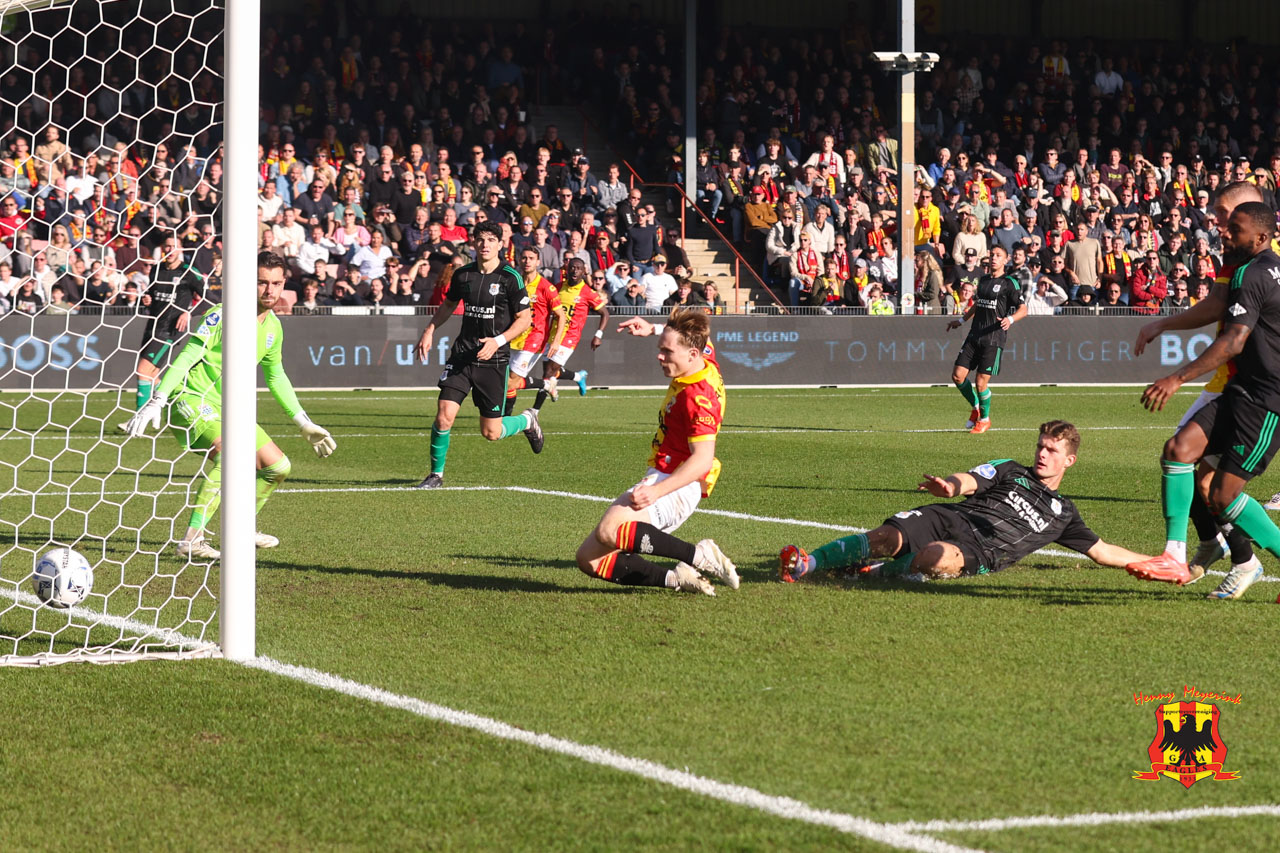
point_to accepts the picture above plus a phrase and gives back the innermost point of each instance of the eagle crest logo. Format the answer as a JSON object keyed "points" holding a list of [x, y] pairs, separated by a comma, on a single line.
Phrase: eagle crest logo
{"points": [[746, 359], [1187, 746]]}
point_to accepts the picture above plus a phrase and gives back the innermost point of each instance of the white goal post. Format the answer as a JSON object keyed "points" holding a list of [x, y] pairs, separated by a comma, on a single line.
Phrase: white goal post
{"points": [[124, 80]]}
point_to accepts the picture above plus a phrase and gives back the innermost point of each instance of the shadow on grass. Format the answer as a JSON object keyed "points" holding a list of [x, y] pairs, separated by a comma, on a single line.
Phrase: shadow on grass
{"points": [[461, 580]]}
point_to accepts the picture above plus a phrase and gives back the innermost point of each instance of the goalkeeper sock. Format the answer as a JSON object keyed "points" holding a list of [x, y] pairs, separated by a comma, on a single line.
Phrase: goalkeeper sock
{"points": [[270, 477], [513, 424], [1252, 520], [143, 395], [966, 390], [843, 553], [439, 449], [631, 569], [984, 403], [207, 499], [644, 538], [1177, 485]]}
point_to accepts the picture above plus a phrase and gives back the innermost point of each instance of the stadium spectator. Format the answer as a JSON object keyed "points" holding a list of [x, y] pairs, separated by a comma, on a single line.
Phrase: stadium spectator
{"points": [[658, 284]]}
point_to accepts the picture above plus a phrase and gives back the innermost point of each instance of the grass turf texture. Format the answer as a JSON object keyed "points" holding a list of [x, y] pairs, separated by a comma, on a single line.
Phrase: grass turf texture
{"points": [[989, 697]]}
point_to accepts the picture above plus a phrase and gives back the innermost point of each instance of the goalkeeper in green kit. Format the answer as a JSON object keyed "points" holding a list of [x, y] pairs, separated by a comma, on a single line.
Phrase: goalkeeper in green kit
{"points": [[196, 414]]}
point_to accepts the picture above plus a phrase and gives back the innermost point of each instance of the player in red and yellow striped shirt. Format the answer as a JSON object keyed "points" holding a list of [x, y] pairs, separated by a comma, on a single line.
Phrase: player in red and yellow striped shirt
{"points": [[683, 469]]}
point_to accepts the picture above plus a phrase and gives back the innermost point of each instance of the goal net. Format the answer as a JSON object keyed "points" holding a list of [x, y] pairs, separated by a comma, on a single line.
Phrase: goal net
{"points": [[110, 124]]}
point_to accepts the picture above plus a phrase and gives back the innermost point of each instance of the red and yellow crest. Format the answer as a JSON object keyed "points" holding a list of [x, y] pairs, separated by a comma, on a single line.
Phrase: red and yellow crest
{"points": [[1187, 746]]}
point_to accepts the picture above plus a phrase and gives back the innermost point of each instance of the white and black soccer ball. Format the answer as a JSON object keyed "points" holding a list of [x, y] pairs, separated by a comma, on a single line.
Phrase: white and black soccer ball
{"points": [[62, 578]]}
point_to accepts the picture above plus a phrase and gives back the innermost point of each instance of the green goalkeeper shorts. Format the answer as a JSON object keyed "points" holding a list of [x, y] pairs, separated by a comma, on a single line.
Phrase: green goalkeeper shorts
{"points": [[197, 423]]}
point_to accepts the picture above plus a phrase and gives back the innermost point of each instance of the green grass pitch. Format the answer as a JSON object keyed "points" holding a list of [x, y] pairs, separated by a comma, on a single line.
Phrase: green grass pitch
{"points": [[980, 698]]}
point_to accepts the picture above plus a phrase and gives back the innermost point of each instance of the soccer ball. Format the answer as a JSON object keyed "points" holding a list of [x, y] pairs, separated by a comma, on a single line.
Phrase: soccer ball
{"points": [[62, 578]]}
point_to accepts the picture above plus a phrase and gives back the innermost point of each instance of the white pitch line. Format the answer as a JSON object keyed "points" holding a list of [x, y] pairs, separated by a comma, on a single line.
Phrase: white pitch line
{"points": [[739, 795], [730, 431], [1088, 819]]}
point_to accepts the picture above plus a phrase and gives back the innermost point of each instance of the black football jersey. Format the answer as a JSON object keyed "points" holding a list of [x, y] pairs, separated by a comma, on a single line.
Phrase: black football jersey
{"points": [[179, 287], [1253, 300], [1014, 514], [490, 302], [997, 297]]}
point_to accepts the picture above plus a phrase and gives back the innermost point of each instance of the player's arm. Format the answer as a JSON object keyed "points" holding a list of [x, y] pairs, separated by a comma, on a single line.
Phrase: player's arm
{"points": [[443, 313], [960, 483], [489, 346], [598, 338], [640, 327], [192, 284], [188, 358], [1229, 343], [282, 390], [1106, 554], [1016, 316], [1208, 310], [964, 318], [701, 457], [521, 308], [559, 325]]}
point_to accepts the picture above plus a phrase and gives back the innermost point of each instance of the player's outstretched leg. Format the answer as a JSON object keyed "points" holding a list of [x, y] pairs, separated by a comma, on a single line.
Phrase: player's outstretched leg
{"points": [[580, 377], [1177, 486]]}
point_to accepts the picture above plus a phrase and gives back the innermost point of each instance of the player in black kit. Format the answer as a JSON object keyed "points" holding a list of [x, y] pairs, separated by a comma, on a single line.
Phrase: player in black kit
{"points": [[997, 305], [1009, 511], [175, 289], [495, 309], [1241, 424]]}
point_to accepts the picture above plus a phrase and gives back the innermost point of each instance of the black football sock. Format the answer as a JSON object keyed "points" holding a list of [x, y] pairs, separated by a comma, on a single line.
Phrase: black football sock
{"points": [[540, 399], [631, 569], [1205, 524], [510, 405], [1241, 546], [531, 382], [640, 537]]}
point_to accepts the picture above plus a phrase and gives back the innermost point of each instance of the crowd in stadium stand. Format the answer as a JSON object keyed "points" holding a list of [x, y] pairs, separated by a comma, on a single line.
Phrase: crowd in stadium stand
{"points": [[1094, 167]]}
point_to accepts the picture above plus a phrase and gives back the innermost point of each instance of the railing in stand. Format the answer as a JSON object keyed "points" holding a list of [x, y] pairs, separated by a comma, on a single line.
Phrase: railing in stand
{"points": [[739, 261]]}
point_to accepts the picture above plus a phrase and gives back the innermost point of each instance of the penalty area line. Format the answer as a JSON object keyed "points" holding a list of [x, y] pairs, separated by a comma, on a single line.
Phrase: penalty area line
{"points": [[738, 795]]}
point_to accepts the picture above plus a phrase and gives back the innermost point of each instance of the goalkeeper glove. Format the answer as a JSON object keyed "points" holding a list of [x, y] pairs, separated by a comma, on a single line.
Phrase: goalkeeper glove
{"points": [[321, 442], [148, 414]]}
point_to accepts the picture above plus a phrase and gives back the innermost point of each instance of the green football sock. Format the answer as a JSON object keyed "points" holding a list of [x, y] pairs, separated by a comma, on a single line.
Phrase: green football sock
{"points": [[843, 553], [1177, 485], [144, 393], [984, 403], [898, 566], [966, 390], [1248, 515], [439, 449], [270, 477], [208, 496], [513, 424]]}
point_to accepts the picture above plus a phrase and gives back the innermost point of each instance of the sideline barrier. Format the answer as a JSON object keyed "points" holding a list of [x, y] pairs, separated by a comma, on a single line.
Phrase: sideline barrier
{"points": [[79, 352]]}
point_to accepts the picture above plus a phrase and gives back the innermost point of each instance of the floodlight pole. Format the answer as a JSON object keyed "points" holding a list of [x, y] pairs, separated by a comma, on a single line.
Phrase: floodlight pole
{"points": [[690, 101], [906, 62], [907, 162], [236, 600]]}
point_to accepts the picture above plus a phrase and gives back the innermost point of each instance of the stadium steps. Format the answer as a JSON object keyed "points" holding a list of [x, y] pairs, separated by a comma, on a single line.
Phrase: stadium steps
{"points": [[708, 255]]}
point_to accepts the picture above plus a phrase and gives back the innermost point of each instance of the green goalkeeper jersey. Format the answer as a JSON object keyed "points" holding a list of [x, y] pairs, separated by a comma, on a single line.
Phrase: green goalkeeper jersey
{"points": [[197, 371]]}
